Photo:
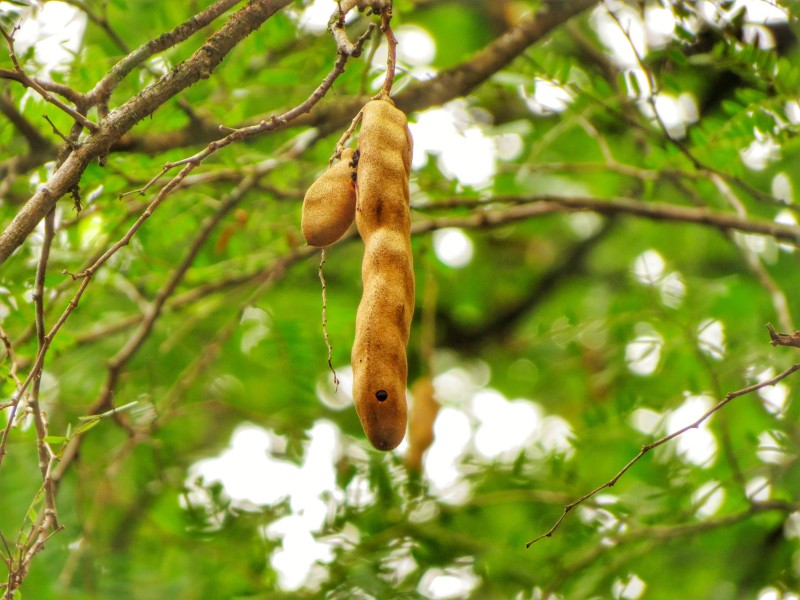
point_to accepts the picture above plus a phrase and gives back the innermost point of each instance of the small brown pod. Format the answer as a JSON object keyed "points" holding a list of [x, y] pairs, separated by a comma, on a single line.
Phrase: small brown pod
{"points": [[329, 205], [423, 417], [383, 321]]}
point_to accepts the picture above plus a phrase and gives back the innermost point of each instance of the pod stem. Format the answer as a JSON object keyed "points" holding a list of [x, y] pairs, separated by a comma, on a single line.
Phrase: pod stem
{"points": [[391, 54], [346, 136], [325, 320], [386, 89]]}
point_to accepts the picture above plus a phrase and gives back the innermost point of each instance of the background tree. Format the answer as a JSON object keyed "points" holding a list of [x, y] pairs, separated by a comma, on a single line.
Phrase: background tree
{"points": [[603, 224]]}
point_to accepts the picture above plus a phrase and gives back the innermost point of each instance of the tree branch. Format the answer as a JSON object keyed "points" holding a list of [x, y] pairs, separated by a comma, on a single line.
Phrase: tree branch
{"points": [[648, 447], [199, 66], [525, 207], [263, 127], [117, 363], [783, 339], [102, 91]]}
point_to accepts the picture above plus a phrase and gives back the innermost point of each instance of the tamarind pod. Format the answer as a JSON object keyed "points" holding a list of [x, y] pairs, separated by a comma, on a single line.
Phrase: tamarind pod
{"points": [[420, 427], [384, 315], [329, 205]]}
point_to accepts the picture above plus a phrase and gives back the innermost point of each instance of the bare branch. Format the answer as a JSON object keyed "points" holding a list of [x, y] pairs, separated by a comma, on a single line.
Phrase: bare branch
{"points": [[117, 363], [525, 207], [70, 143], [199, 66], [240, 134], [102, 91], [61, 89], [648, 447]]}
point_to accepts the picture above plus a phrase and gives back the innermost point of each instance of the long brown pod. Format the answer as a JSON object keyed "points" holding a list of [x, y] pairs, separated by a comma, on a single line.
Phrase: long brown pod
{"points": [[383, 321], [329, 204], [423, 417]]}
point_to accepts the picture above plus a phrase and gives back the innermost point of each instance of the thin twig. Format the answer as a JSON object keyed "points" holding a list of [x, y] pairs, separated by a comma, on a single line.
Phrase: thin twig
{"points": [[117, 363], [101, 92], [34, 85], [189, 165], [62, 90], [783, 339], [525, 207], [648, 447], [72, 144], [346, 136]]}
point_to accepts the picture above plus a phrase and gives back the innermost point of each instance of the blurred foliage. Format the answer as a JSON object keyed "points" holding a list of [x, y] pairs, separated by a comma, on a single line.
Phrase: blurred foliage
{"points": [[546, 312]]}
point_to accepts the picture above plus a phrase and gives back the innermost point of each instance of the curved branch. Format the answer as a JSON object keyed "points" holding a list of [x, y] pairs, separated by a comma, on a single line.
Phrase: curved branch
{"points": [[648, 447], [199, 66], [50, 86]]}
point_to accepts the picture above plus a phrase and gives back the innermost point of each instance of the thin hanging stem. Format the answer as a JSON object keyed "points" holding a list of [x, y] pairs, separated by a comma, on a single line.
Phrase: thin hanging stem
{"points": [[325, 320]]}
